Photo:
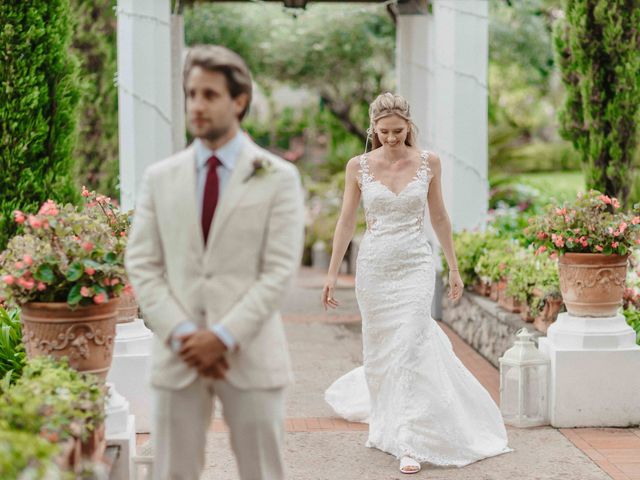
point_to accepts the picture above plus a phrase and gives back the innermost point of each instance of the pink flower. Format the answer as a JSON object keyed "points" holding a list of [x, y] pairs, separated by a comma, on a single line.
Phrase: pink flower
{"points": [[554, 255], [19, 217], [85, 291], [128, 288], [41, 286], [48, 208], [610, 230], [87, 246], [123, 234], [615, 203], [114, 282], [19, 265], [89, 270], [599, 248], [85, 192], [623, 226], [8, 279], [617, 233], [541, 250], [106, 282], [614, 244], [557, 240], [34, 221], [584, 243], [561, 211], [100, 298], [576, 230], [605, 199], [635, 220], [26, 283], [541, 235], [567, 218], [28, 259]]}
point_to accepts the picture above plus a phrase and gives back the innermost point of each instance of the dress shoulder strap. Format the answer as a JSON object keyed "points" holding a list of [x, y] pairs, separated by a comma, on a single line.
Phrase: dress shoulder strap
{"points": [[424, 164], [365, 175]]}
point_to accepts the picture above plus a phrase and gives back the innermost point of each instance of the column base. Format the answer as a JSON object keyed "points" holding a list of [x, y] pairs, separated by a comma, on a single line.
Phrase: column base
{"points": [[594, 379], [131, 368]]}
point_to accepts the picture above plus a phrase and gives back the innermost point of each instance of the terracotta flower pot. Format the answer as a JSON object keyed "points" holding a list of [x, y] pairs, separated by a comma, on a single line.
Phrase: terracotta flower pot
{"points": [[127, 308], [84, 335], [493, 292], [510, 303], [548, 314], [592, 283], [525, 313]]}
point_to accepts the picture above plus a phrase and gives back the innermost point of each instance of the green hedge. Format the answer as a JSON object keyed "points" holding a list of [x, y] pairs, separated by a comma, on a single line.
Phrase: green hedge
{"points": [[38, 99]]}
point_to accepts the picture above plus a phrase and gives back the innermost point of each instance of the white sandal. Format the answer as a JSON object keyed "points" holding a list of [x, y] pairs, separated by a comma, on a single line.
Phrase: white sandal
{"points": [[408, 465]]}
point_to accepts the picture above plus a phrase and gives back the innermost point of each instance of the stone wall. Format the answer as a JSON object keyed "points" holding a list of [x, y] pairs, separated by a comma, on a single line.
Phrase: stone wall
{"points": [[484, 325]]}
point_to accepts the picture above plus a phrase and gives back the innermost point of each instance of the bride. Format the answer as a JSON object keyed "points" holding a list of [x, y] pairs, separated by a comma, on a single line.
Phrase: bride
{"points": [[421, 403]]}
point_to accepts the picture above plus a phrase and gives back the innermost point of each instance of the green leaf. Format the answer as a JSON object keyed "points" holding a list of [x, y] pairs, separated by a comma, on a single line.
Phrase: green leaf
{"points": [[74, 296], [45, 273], [92, 264], [76, 269], [111, 258]]}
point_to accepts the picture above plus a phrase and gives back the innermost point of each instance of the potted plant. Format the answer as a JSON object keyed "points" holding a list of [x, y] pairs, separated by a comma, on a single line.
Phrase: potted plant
{"points": [[59, 404], [64, 270], [593, 238], [103, 208]]}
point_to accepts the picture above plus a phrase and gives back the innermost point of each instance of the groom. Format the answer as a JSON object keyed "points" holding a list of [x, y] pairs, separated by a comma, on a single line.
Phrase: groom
{"points": [[217, 236]]}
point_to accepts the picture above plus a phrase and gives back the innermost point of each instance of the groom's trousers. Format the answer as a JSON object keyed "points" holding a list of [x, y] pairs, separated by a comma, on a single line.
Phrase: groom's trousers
{"points": [[182, 419]]}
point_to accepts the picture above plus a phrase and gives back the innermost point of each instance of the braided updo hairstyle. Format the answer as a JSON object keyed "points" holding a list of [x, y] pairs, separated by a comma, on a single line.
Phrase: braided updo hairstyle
{"points": [[390, 104]]}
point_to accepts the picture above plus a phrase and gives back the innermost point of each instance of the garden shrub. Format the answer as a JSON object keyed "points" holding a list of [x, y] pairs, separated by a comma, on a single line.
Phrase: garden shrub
{"points": [[38, 99]]}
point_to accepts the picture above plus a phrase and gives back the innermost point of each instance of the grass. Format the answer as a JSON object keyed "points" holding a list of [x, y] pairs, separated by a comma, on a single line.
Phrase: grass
{"points": [[559, 185]]}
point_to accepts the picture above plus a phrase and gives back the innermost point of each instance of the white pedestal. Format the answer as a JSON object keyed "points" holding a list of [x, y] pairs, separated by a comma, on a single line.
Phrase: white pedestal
{"points": [[120, 430], [594, 372], [130, 370]]}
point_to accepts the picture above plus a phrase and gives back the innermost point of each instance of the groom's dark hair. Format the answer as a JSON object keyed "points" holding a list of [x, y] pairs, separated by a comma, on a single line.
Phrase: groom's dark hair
{"points": [[217, 58]]}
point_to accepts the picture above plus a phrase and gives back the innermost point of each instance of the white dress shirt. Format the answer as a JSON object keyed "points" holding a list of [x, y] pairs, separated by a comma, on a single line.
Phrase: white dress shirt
{"points": [[227, 154]]}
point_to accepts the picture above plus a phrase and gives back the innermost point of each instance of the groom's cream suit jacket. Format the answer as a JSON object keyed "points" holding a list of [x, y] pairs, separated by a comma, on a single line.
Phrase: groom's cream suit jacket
{"points": [[238, 280]]}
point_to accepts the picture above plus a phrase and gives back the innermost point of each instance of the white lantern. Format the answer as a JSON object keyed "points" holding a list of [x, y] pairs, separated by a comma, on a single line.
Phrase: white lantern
{"points": [[524, 383]]}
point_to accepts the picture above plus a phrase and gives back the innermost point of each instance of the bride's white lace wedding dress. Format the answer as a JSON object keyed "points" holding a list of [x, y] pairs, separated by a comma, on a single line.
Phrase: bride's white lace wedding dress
{"points": [[416, 395]]}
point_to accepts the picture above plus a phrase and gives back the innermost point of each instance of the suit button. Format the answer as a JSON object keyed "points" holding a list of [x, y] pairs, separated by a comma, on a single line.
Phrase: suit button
{"points": [[208, 276], [203, 312]]}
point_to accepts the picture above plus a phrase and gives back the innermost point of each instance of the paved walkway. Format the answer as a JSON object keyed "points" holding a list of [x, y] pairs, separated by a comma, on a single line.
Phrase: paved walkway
{"points": [[320, 446]]}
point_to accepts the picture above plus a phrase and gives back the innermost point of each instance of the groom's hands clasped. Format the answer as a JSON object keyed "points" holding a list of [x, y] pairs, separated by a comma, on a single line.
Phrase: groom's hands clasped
{"points": [[204, 351]]}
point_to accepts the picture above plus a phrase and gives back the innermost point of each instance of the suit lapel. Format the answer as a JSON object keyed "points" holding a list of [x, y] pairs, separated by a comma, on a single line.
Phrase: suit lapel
{"points": [[234, 190], [188, 207]]}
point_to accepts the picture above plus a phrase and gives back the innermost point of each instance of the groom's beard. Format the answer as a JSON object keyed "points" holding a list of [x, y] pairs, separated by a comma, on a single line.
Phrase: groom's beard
{"points": [[216, 133]]}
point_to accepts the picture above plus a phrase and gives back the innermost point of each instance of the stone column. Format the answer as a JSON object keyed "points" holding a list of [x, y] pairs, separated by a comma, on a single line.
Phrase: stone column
{"points": [[144, 90], [441, 64]]}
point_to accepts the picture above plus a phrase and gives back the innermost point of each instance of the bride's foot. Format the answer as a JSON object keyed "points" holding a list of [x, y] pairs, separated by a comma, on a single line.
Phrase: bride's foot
{"points": [[409, 465]]}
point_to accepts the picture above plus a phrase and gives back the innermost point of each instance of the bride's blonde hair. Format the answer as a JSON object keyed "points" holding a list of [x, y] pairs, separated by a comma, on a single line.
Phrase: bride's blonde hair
{"points": [[390, 104]]}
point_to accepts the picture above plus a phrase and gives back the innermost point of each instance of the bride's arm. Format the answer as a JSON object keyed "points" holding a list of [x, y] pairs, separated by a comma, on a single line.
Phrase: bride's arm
{"points": [[442, 225], [345, 228]]}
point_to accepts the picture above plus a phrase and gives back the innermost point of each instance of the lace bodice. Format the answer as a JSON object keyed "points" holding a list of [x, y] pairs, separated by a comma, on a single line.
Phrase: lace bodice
{"points": [[387, 211]]}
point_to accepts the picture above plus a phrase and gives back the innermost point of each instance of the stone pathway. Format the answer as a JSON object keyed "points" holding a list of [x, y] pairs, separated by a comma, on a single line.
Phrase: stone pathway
{"points": [[320, 446]]}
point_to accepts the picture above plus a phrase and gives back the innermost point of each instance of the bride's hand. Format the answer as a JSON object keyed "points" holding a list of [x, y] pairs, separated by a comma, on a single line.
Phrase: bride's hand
{"points": [[456, 287], [328, 300]]}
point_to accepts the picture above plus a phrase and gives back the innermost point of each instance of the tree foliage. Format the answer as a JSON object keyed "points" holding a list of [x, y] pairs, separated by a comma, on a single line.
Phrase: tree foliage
{"points": [[343, 53], [38, 100], [94, 42], [598, 50]]}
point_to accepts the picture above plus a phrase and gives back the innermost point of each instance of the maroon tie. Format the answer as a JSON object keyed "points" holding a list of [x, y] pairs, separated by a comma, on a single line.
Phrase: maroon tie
{"points": [[210, 200]]}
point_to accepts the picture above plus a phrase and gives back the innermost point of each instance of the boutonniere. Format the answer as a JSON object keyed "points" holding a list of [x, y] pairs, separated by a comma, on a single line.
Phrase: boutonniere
{"points": [[260, 166]]}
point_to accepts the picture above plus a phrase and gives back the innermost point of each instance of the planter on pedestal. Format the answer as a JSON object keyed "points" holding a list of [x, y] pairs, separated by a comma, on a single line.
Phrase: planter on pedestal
{"points": [[127, 307], [84, 335], [592, 283]]}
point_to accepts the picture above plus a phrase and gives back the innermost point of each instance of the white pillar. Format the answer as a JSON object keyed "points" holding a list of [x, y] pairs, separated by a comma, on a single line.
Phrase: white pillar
{"points": [[177, 91], [441, 64], [144, 90]]}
